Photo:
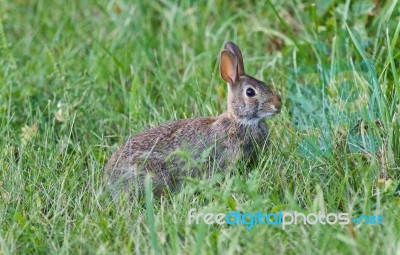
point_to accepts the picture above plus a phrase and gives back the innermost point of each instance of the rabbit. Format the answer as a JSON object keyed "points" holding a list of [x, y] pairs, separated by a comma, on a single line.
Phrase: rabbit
{"points": [[219, 141]]}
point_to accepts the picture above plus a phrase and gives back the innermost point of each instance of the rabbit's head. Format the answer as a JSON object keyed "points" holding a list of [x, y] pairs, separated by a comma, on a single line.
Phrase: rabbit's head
{"points": [[249, 100]]}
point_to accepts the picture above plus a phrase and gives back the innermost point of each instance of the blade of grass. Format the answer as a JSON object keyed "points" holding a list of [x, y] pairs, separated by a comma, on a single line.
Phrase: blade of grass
{"points": [[150, 215], [377, 96], [287, 29]]}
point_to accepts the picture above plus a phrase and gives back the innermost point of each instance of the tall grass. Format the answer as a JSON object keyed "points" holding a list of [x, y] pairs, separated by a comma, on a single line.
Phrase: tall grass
{"points": [[78, 77]]}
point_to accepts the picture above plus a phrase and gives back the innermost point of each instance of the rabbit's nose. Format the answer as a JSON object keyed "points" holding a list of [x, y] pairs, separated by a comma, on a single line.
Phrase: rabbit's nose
{"points": [[277, 102]]}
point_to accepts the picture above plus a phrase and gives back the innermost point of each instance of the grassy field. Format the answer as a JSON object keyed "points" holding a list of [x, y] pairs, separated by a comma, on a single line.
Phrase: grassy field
{"points": [[78, 77]]}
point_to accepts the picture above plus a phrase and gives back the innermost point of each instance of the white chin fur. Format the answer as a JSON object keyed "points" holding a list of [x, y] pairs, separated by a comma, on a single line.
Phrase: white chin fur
{"points": [[267, 115], [250, 122], [255, 121]]}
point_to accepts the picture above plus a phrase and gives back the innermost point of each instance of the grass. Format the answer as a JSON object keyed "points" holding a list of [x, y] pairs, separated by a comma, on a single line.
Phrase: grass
{"points": [[78, 77]]}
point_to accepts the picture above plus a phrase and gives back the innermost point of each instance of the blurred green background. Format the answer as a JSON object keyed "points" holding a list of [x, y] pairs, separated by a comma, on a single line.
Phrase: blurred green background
{"points": [[78, 77]]}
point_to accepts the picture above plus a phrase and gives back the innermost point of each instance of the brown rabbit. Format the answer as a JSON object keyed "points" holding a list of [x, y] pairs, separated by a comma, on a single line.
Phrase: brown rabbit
{"points": [[166, 152]]}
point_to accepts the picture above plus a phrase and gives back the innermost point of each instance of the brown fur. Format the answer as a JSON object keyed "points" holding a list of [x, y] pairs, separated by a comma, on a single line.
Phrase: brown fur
{"points": [[167, 152]]}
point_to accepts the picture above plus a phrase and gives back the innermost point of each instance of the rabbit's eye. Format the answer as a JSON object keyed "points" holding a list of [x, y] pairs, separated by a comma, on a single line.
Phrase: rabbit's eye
{"points": [[250, 92]]}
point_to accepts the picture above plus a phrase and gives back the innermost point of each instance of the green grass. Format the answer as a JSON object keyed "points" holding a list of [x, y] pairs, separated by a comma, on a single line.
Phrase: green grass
{"points": [[78, 77]]}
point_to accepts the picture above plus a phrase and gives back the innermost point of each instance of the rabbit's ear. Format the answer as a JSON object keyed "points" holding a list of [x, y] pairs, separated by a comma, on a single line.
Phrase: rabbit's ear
{"points": [[228, 67], [238, 54]]}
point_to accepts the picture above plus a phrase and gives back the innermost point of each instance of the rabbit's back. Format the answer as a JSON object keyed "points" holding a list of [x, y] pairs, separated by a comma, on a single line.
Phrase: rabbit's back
{"points": [[155, 150]]}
